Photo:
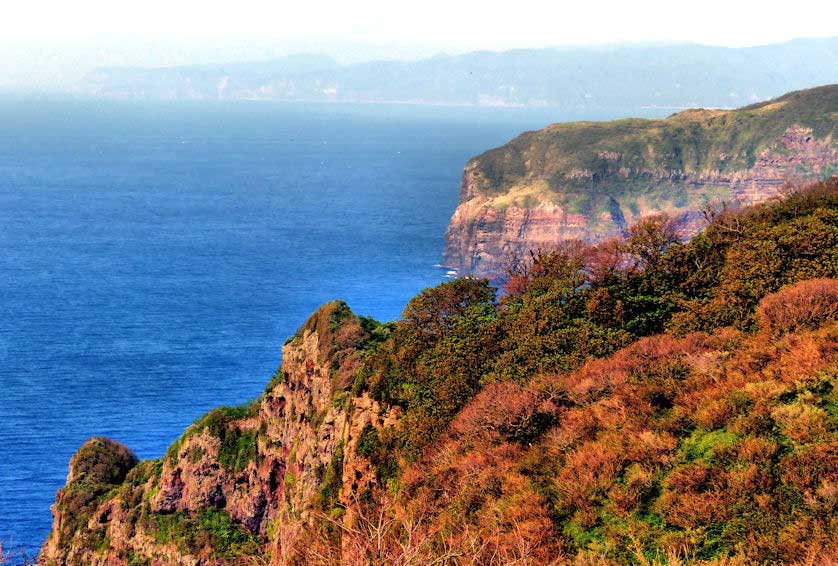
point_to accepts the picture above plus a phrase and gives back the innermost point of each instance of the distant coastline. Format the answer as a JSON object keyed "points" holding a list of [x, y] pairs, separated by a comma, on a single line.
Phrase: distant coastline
{"points": [[635, 76]]}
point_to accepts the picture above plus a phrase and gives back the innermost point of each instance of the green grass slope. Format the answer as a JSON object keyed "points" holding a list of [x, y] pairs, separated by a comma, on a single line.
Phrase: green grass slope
{"points": [[590, 154]]}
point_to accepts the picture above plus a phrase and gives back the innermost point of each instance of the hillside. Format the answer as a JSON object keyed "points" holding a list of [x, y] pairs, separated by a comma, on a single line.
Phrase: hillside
{"points": [[641, 401], [570, 79], [590, 180]]}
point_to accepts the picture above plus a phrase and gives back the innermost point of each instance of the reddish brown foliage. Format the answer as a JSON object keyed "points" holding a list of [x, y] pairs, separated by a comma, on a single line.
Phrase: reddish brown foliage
{"points": [[805, 305], [433, 309], [622, 448]]}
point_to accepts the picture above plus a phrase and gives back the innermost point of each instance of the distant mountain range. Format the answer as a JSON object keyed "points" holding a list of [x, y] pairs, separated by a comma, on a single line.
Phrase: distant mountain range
{"points": [[672, 76]]}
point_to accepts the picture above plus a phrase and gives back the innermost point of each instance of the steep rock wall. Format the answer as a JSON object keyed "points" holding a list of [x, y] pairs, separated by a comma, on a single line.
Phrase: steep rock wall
{"points": [[259, 472]]}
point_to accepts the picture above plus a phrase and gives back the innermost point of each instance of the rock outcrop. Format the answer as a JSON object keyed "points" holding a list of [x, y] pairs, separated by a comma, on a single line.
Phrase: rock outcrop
{"points": [[589, 181], [238, 478]]}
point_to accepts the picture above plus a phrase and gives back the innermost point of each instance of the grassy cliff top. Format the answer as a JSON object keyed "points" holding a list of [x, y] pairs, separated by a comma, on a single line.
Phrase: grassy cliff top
{"points": [[692, 141]]}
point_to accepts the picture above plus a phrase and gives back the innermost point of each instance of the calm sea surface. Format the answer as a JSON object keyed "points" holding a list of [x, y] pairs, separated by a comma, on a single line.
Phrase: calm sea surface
{"points": [[154, 257]]}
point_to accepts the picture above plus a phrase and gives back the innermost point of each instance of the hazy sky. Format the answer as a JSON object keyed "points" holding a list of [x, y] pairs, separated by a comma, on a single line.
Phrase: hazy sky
{"points": [[44, 40]]}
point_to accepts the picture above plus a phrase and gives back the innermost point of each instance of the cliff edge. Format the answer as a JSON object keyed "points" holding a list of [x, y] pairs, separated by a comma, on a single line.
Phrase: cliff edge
{"points": [[241, 480], [590, 180]]}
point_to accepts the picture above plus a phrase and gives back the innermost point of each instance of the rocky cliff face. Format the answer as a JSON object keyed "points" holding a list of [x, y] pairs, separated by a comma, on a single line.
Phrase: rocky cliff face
{"points": [[589, 181], [239, 479]]}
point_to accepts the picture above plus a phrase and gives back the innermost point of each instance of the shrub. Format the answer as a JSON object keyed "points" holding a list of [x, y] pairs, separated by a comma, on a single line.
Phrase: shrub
{"points": [[649, 239], [434, 310], [805, 305], [368, 443], [238, 447], [210, 529], [101, 460], [332, 480], [504, 411]]}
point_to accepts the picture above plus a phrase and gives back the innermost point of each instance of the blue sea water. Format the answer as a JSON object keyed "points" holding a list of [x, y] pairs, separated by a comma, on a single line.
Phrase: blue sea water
{"points": [[154, 257]]}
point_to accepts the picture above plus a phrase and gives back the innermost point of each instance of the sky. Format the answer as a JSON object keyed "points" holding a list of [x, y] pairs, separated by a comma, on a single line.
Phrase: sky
{"points": [[54, 42]]}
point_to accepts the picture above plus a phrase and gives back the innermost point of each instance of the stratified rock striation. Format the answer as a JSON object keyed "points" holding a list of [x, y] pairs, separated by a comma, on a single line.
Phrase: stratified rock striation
{"points": [[589, 180]]}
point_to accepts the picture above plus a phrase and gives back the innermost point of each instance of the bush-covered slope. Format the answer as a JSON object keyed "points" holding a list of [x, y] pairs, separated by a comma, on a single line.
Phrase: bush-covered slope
{"points": [[641, 401]]}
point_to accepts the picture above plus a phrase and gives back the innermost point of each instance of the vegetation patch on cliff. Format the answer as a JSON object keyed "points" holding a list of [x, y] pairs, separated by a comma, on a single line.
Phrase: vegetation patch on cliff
{"points": [[238, 447], [210, 529]]}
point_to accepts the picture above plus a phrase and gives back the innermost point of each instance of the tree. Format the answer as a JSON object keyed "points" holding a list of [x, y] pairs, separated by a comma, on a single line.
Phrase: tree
{"points": [[434, 310], [649, 239]]}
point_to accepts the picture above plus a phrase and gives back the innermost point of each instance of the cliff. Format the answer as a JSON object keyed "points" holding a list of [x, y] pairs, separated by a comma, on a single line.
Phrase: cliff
{"points": [[241, 481], [656, 403], [589, 181]]}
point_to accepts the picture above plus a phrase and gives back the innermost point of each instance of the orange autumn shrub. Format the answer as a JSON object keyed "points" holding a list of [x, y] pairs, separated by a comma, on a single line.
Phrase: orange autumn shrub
{"points": [[805, 305]]}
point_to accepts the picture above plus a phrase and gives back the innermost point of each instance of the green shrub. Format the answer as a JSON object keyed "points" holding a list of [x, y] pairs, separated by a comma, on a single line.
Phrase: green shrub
{"points": [[332, 481], [703, 445], [210, 528], [368, 444], [238, 447]]}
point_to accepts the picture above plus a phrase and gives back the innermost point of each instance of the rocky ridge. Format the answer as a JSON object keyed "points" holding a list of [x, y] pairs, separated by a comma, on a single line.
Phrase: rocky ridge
{"points": [[242, 477], [572, 79]]}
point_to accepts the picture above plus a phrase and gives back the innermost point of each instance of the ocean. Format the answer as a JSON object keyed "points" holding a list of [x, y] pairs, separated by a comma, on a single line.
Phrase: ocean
{"points": [[155, 256]]}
